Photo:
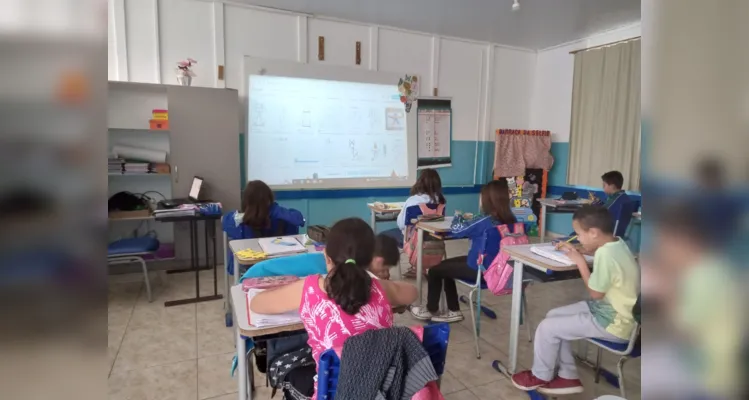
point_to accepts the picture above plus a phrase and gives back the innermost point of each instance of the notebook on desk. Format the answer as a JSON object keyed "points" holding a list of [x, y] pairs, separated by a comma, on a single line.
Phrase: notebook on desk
{"points": [[552, 253], [281, 246], [265, 320]]}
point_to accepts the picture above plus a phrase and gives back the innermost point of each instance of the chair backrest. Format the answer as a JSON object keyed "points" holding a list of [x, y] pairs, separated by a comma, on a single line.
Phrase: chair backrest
{"points": [[413, 212], [622, 212], [435, 339]]}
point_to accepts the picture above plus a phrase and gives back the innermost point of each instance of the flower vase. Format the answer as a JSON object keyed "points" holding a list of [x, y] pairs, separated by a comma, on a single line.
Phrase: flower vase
{"points": [[184, 80]]}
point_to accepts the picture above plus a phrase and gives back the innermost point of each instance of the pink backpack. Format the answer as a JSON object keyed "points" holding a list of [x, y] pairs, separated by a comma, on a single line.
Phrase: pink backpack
{"points": [[433, 250], [498, 276]]}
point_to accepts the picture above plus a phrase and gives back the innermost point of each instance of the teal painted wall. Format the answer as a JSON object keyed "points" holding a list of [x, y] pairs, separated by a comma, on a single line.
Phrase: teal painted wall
{"points": [[472, 164]]}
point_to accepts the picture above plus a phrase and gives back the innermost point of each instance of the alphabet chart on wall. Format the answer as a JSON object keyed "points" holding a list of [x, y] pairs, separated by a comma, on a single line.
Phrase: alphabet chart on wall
{"points": [[434, 128]]}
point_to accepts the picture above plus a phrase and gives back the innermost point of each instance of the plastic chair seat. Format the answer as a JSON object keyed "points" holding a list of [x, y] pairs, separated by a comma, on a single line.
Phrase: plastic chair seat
{"points": [[617, 347], [472, 283], [138, 245]]}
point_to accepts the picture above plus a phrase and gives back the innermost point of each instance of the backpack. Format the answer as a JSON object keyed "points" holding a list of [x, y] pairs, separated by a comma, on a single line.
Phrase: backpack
{"points": [[433, 250], [498, 276]]}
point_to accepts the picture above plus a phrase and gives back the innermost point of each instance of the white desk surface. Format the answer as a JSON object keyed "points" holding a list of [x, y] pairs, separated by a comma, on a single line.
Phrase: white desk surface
{"points": [[523, 253], [239, 305], [394, 207], [436, 227], [554, 202], [242, 244]]}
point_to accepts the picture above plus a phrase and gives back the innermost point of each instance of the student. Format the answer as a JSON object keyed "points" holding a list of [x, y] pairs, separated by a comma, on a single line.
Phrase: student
{"points": [[613, 286], [262, 215], [426, 190], [348, 301], [386, 256], [613, 181], [494, 202]]}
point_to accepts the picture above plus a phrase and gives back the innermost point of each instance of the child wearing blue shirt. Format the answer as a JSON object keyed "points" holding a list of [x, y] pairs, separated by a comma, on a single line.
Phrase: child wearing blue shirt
{"points": [[494, 202]]}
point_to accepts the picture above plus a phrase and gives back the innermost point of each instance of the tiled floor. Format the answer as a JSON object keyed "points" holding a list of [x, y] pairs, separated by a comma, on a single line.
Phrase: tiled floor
{"points": [[185, 352]]}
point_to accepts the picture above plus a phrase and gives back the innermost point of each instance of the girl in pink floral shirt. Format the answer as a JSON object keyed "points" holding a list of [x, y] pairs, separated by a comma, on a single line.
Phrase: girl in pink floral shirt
{"points": [[348, 301]]}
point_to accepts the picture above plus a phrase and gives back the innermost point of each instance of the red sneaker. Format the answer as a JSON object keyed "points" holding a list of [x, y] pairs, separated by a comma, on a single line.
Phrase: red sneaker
{"points": [[561, 386], [525, 380]]}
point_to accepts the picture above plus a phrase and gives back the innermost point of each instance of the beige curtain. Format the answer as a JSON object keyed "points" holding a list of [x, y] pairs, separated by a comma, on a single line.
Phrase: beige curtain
{"points": [[605, 129]]}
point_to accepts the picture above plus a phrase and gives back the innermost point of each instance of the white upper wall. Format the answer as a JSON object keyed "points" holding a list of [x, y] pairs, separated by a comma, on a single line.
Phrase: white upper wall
{"points": [[490, 86], [551, 103]]}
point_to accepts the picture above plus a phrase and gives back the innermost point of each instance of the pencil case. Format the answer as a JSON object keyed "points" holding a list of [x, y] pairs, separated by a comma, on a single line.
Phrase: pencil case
{"points": [[318, 233]]}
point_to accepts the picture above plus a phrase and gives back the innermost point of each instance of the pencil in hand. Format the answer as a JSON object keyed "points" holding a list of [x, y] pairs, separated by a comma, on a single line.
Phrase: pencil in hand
{"points": [[559, 244]]}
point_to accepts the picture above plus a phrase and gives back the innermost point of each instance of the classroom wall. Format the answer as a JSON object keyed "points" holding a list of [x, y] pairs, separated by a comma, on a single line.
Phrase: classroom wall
{"points": [[490, 85], [551, 106]]}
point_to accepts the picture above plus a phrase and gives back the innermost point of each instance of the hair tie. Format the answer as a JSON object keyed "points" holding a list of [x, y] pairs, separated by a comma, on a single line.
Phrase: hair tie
{"points": [[350, 261]]}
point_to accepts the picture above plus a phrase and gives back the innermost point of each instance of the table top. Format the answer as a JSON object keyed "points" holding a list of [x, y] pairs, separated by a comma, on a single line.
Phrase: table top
{"points": [[555, 202], [436, 226], [524, 254], [242, 244], [391, 207], [239, 307]]}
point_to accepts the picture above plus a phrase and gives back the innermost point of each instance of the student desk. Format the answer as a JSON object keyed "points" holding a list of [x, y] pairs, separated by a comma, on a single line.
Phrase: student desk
{"points": [[523, 257], [568, 208], [437, 229], [242, 244], [383, 214], [243, 330]]}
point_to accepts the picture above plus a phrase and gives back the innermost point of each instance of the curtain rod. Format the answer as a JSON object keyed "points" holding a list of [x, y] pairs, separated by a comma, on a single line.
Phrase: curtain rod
{"points": [[606, 44]]}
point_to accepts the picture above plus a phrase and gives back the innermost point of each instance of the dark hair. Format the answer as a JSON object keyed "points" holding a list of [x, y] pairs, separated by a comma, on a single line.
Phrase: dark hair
{"points": [[613, 178], [710, 173], [590, 216], [387, 248], [350, 246], [495, 201], [257, 199], [430, 184], [682, 218]]}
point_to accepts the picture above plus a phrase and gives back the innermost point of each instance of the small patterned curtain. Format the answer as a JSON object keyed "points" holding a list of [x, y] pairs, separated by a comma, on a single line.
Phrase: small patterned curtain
{"points": [[518, 150]]}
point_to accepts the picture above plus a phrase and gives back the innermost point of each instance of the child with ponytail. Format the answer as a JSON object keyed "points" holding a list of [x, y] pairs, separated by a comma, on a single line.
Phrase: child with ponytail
{"points": [[348, 301]]}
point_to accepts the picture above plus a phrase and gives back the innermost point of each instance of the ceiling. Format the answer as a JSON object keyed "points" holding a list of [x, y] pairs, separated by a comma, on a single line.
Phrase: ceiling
{"points": [[538, 24]]}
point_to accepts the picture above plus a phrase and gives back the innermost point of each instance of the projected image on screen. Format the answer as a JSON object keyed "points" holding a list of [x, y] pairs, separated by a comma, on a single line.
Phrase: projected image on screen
{"points": [[313, 132]]}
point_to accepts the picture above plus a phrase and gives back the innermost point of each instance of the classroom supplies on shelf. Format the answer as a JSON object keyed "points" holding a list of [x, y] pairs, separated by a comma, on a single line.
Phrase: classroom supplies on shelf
{"points": [[281, 246], [249, 254], [180, 211], [550, 252], [158, 114], [263, 320], [268, 282]]}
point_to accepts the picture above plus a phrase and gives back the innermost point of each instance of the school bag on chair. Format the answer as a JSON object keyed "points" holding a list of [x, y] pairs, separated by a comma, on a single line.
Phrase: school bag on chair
{"points": [[433, 249], [498, 276]]}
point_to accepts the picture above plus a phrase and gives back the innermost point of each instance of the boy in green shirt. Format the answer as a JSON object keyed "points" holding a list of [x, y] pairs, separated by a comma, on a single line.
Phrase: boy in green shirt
{"points": [[613, 285]]}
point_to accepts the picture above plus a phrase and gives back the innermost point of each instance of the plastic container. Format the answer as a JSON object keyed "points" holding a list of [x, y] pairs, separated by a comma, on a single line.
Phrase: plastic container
{"points": [[159, 124]]}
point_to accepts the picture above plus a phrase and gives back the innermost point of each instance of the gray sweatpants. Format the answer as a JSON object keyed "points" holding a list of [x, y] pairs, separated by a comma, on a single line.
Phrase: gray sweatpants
{"points": [[553, 340]]}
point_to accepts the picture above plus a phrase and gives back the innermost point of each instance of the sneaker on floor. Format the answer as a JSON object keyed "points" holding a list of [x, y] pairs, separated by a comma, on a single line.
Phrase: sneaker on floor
{"points": [[526, 381], [421, 312], [449, 316], [561, 386]]}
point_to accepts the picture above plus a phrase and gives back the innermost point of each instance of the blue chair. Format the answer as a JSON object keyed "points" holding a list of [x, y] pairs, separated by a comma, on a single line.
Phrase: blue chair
{"points": [[436, 337], [489, 251], [622, 212], [130, 250], [412, 213]]}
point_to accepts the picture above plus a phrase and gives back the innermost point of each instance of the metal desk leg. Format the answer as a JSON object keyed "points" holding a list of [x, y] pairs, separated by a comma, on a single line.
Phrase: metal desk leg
{"points": [[419, 261], [236, 270], [517, 282], [542, 225], [226, 275], [373, 220], [244, 393]]}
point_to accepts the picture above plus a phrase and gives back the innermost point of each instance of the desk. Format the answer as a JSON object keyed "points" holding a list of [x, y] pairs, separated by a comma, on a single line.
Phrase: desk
{"points": [[242, 244], [435, 228], [522, 257], [243, 329], [383, 214], [209, 221], [555, 206]]}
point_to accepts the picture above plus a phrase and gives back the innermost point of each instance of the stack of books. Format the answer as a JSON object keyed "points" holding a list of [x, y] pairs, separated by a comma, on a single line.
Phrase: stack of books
{"points": [[135, 167], [185, 210], [115, 165]]}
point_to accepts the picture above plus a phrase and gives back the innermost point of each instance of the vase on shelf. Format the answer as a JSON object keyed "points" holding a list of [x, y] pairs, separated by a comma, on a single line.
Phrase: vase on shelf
{"points": [[184, 80]]}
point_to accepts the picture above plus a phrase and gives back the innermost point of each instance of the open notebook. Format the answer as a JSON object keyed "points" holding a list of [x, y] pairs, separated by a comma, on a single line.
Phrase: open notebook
{"points": [[265, 320], [551, 253], [280, 246]]}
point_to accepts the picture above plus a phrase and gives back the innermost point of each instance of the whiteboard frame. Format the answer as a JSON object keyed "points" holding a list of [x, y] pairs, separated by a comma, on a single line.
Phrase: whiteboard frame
{"points": [[293, 69]]}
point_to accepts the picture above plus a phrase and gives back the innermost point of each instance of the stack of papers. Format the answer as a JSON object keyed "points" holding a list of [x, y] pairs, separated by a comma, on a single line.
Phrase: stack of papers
{"points": [[281, 246], [552, 253], [181, 211], [265, 320], [249, 254]]}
